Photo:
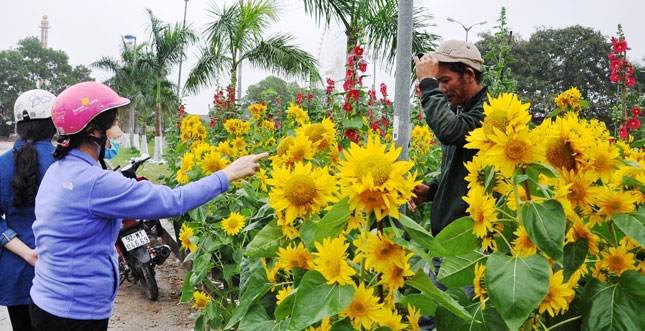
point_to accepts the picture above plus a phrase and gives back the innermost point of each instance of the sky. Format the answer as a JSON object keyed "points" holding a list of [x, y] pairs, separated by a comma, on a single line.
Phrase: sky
{"points": [[89, 29]]}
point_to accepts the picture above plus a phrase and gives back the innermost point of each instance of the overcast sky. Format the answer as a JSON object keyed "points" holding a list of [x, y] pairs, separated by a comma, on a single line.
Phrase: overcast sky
{"points": [[89, 29]]}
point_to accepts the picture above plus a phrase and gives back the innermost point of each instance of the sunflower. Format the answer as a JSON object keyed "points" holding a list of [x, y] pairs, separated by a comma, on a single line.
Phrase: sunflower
{"points": [[391, 319], [258, 109], [224, 147], [187, 161], [618, 260], [579, 230], [271, 273], [481, 207], [364, 307], [192, 127], [512, 150], [480, 292], [239, 142], [373, 180], [199, 148], [523, 245], [355, 222], [569, 100], [394, 275], [325, 325], [555, 301], [580, 191], [233, 224], [268, 125], [182, 178], [504, 113], [281, 150], [602, 160], [320, 134], [213, 162], [331, 261], [262, 176], [379, 252], [295, 256], [184, 236], [297, 114], [300, 191], [201, 299], [413, 317], [283, 293], [611, 201], [299, 151], [475, 169], [565, 141]]}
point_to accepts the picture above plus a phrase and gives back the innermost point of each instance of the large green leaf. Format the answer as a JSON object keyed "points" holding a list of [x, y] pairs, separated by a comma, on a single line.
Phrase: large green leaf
{"points": [[546, 223], [483, 320], [316, 300], [422, 282], [618, 306], [307, 231], [421, 236], [199, 213], [286, 306], [258, 286], [343, 325], [516, 285], [420, 301], [257, 319], [459, 270], [334, 222], [458, 238], [632, 225], [413, 247], [575, 254], [267, 242]]}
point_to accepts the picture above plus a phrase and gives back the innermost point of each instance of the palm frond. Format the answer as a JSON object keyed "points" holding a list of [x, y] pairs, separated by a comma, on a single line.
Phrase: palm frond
{"points": [[210, 65], [325, 10]]}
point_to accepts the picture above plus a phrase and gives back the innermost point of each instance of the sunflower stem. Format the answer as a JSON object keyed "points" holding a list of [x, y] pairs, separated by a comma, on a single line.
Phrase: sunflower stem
{"points": [[506, 241], [612, 232], [379, 227], [526, 186], [517, 203], [564, 322]]}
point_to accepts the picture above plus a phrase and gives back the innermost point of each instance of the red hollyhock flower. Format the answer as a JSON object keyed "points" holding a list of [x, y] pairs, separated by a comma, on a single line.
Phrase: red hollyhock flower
{"points": [[310, 97], [350, 61], [349, 73], [350, 134], [636, 111], [362, 66], [611, 56], [376, 126], [347, 107], [633, 123], [616, 64], [330, 89], [299, 98], [358, 51], [615, 77], [419, 117], [384, 89], [330, 82], [353, 94], [387, 102], [211, 125], [620, 46], [385, 123], [630, 81], [348, 83], [622, 132]]}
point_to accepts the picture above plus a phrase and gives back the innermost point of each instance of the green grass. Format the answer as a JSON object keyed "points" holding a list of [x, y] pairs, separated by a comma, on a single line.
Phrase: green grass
{"points": [[150, 170]]}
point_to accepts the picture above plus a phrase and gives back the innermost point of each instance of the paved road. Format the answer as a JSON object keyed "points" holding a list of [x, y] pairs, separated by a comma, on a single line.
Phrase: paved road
{"points": [[5, 146]]}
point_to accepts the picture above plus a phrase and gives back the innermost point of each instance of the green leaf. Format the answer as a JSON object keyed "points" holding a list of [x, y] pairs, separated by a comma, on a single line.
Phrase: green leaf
{"points": [[614, 306], [334, 222], [517, 285], [638, 143], [354, 123], [545, 224], [458, 238], [422, 282], [545, 169], [632, 225], [199, 323], [248, 188], [459, 270], [483, 320], [187, 290], [258, 286], [316, 300], [413, 247], [343, 325], [421, 236], [307, 232], [555, 112], [267, 241], [285, 307], [575, 254], [199, 213], [257, 319], [420, 301]]}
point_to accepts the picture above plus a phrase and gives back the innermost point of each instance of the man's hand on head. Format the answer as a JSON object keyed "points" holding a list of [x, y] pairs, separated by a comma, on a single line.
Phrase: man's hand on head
{"points": [[426, 67]]}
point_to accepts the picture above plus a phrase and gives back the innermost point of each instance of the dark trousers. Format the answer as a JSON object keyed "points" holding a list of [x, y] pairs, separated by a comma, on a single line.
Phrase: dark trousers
{"points": [[44, 321], [19, 316]]}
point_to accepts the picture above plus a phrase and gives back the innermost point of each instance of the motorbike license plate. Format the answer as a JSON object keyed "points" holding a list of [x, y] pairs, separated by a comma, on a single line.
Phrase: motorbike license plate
{"points": [[135, 240]]}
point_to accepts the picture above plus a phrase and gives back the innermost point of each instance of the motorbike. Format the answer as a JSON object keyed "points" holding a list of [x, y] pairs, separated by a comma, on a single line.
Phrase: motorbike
{"points": [[137, 257]]}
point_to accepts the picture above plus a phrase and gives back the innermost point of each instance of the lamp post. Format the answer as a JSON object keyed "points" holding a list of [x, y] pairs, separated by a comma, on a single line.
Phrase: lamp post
{"points": [[181, 60], [134, 65], [463, 26]]}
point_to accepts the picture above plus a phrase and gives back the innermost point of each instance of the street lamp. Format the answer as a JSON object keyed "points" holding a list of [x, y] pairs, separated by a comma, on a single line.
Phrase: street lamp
{"points": [[134, 64], [463, 26], [181, 60]]}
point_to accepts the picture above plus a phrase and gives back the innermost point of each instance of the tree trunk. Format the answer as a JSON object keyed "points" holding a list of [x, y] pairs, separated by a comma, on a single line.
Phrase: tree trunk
{"points": [[158, 110]]}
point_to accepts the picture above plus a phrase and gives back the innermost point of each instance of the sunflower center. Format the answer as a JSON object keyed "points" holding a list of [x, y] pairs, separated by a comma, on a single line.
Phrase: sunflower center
{"points": [[616, 261], [577, 193], [377, 166], [496, 119], [315, 132], [232, 223], [300, 189], [358, 307], [284, 145], [515, 149], [615, 205], [560, 154], [333, 267]]}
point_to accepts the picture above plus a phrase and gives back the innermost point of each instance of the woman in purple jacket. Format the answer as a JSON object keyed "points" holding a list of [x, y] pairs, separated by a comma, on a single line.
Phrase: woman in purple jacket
{"points": [[21, 170], [79, 205]]}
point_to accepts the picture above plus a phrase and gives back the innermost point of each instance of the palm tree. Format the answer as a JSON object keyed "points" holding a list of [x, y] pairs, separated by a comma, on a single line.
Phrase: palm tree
{"points": [[236, 35], [376, 22], [168, 43]]}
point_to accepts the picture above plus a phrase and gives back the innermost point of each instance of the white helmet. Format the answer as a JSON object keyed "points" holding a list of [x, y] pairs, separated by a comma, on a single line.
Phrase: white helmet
{"points": [[33, 104]]}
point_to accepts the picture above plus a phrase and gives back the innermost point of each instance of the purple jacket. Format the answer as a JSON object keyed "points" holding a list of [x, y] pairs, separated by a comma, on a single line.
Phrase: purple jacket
{"points": [[78, 208]]}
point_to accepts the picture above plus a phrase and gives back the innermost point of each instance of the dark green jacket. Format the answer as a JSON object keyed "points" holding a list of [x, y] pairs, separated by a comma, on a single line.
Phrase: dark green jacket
{"points": [[451, 129]]}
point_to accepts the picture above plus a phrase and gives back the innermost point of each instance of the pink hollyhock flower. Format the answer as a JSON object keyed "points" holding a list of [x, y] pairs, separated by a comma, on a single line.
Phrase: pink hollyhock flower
{"points": [[620, 46], [358, 51], [362, 66], [347, 107], [616, 64], [330, 82], [622, 132], [384, 121], [353, 94], [615, 77], [350, 61], [384, 89], [633, 123], [310, 97], [348, 83], [330, 89], [299, 98], [349, 73], [636, 111], [630, 81], [611, 56]]}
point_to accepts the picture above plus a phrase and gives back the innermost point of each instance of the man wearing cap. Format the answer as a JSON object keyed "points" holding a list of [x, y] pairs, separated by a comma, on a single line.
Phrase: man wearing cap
{"points": [[452, 98]]}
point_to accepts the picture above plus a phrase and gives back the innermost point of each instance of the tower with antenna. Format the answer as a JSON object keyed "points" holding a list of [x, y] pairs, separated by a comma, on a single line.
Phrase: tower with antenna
{"points": [[44, 27]]}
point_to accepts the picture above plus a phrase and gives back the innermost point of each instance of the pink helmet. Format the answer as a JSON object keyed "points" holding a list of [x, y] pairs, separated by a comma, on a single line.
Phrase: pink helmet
{"points": [[79, 104]]}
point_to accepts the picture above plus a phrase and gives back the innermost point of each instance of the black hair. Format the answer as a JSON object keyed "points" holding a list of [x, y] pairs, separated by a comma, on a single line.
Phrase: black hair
{"points": [[460, 69], [100, 123], [26, 176]]}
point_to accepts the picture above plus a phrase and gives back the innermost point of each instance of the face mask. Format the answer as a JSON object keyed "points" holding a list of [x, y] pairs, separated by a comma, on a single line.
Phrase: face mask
{"points": [[112, 151]]}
